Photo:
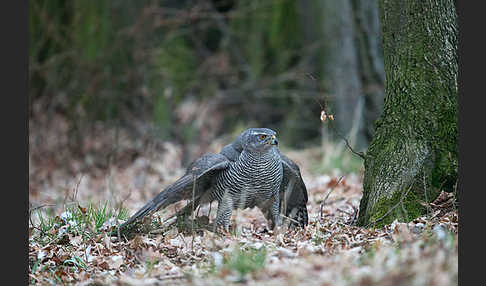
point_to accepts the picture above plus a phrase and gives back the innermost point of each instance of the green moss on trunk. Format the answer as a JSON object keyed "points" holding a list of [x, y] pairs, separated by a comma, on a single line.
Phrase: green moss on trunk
{"points": [[387, 210], [415, 144]]}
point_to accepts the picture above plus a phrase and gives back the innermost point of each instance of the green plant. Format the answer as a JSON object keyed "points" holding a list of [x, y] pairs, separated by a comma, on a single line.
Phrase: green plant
{"points": [[246, 261], [75, 220], [150, 265], [75, 261]]}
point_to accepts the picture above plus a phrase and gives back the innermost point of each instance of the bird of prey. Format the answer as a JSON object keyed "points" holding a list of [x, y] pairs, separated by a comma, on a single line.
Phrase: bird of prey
{"points": [[249, 172]]}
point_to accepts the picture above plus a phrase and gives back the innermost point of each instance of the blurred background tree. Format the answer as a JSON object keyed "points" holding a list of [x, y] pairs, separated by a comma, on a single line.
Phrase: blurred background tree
{"points": [[190, 70]]}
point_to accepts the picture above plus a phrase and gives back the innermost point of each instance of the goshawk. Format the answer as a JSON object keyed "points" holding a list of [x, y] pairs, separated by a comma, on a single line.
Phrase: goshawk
{"points": [[249, 172]]}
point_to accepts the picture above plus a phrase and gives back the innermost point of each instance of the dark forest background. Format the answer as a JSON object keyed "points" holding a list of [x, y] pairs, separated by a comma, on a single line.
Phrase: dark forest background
{"points": [[188, 71], [123, 95]]}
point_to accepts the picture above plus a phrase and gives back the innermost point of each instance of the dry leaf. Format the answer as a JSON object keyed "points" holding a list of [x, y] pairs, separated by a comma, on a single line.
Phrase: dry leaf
{"points": [[115, 261], [83, 210], [323, 116]]}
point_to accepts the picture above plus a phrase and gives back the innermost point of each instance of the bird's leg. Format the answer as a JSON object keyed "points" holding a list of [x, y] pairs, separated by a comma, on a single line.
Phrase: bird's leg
{"points": [[275, 211], [271, 210], [225, 209]]}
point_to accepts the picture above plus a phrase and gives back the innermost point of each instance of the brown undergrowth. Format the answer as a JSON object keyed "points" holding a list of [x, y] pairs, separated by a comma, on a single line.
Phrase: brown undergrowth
{"points": [[76, 199]]}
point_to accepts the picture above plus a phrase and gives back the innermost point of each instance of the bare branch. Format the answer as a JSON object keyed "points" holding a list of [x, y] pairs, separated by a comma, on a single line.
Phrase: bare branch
{"points": [[327, 196], [324, 109]]}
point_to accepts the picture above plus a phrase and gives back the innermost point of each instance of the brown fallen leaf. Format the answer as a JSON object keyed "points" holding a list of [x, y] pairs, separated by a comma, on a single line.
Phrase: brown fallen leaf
{"points": [[104, 265], [83, 210], [443, 197]]}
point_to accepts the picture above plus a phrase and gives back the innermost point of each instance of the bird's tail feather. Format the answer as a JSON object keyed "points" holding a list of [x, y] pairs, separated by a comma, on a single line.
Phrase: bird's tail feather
{"points": [[170, 195], [298, 215]]}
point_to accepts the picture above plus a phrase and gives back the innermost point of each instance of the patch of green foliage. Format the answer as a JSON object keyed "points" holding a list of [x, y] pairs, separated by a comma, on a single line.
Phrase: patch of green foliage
{"points": [[45, 223], [76, 261], [241, 262], [319, 237], [93, 217], [246, 261], [150, 265], [75, 220]]}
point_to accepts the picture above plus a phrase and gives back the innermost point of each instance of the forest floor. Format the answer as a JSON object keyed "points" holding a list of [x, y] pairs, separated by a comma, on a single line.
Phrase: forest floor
{"points": [[75, 199]]}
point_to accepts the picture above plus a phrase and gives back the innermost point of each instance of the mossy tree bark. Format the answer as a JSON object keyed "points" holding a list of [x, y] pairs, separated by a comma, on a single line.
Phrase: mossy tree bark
{"points": [[413, 154]]}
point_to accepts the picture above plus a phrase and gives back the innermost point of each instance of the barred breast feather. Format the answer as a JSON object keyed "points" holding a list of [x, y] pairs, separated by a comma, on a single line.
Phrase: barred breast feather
{"points": [[252, 178]]}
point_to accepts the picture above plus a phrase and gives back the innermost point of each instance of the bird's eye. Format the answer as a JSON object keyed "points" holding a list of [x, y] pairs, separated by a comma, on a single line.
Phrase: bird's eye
{"points": [[262, 137]]}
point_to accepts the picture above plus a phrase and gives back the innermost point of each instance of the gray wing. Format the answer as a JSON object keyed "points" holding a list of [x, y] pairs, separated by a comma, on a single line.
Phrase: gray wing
{"points": [[201, 172], [293, 193], [232, 151]]}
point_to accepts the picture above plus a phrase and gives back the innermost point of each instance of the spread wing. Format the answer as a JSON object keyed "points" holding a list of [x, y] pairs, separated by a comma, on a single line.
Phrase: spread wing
{"points": [[201, 173], [293, 193]]}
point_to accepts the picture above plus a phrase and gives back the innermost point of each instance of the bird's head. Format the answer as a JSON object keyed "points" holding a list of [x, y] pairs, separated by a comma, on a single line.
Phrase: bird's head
{"points": [[259, 139]]}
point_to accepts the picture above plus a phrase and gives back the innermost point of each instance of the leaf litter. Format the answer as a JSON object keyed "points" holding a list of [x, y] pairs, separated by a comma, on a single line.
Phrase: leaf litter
{"points": [[74, 249]]}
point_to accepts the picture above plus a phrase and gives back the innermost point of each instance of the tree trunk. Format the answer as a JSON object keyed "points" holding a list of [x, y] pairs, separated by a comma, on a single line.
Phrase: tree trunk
{"points": [[341, 72], [352, 64], [413, 154], [370, 64]]}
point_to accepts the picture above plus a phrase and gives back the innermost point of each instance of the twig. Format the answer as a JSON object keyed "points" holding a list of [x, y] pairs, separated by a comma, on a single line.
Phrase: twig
{"points": [[355, 215], [455, 193], [183, 239], [120, 206], [198, 209], [291, 219], [429, 209], [118, 231], [167, 223], [360, 154], [41, 206], [327, 196], [192, 211], [209, 212], [343, 211], [32, 223], [325, 110], [75, 195], [335, 201], [30, 216], [405, 213]]}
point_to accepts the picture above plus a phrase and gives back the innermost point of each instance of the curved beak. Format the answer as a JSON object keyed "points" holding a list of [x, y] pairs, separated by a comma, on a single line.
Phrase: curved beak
{"points": [[273, 140]]}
